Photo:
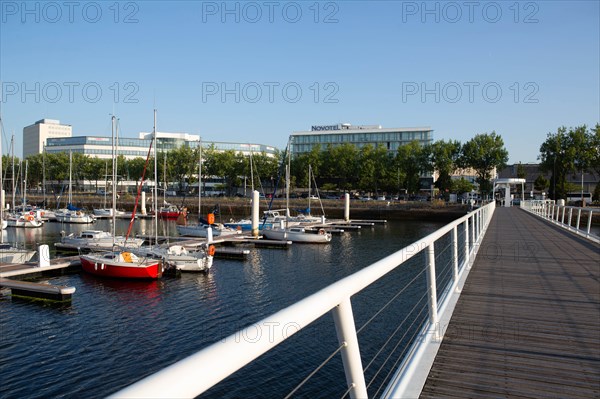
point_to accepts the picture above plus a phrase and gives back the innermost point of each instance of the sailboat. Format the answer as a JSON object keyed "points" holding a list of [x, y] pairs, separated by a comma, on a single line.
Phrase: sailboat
{"points": [[245, 224], [123, 263], [25, 216], [73, 214], [200, 229], [8, 253], [294, 233]]}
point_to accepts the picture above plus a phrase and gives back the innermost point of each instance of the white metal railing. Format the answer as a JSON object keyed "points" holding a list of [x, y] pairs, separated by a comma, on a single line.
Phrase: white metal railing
{"points": [[197, 373], [568, 217]]}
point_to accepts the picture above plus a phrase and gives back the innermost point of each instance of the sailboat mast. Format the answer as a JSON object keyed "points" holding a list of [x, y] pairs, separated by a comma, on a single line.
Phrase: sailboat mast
{"points": [[200, 184], [251, 172], [70, 176], [44, 175], [12, 147], [165, 177], [114, 177], [155, 181], [25, 186], [1, 183], [309, 177]]}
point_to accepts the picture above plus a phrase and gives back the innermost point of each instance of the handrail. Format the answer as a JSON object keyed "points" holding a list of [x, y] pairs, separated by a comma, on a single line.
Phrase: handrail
{"points": [[556, 213], [219, 360]]}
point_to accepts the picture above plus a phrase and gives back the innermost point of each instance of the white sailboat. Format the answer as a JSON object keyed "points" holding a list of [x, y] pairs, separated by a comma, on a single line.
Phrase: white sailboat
{"points": [[121, 262], [9, 253], [26, 217], [294, 233], [98, 239], [71, 214], [176, 256], [200, 229]]}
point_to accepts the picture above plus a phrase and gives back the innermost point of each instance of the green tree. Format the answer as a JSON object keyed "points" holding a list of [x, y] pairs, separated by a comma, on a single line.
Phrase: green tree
{"points": [[483, 153], [569, 151], [182, 164], [461, 186], [444, 158], [341, 166], [541, 183], [412, 161], [367, 168]]}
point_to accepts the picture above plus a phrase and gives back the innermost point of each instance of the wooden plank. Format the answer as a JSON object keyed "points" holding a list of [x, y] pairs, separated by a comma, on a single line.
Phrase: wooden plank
{"points": [[527, 323]]}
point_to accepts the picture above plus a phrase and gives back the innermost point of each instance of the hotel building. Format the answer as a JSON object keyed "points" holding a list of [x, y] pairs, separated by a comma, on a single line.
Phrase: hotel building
{"points": [[357, 135]]}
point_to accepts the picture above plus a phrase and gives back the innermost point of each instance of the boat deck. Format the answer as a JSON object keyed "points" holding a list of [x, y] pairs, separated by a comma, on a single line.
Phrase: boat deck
{"points": [[527, 323]]}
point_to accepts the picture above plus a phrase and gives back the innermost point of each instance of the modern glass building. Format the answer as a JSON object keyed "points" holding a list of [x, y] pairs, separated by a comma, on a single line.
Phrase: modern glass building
{"points": [[101, 147], [359, 136]]}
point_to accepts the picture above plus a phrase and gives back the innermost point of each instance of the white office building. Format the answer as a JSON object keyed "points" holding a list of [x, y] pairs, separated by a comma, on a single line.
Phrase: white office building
{"points": [[36, 135], [359, 136]]}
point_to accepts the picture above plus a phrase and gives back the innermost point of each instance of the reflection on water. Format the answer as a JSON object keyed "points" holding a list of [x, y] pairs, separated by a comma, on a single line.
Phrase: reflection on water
{"points": [[116, 332]]}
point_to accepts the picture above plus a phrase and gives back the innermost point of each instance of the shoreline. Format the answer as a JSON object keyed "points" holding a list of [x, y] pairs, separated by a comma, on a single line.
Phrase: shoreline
{"points": [[232, 208]]}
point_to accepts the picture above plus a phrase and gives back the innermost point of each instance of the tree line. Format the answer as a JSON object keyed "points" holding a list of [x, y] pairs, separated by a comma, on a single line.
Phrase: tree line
{"points": [[340, 168], [569, 151]]}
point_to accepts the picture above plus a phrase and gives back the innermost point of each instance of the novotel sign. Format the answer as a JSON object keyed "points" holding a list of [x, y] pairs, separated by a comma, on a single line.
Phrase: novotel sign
{"points": [[325, 127]]}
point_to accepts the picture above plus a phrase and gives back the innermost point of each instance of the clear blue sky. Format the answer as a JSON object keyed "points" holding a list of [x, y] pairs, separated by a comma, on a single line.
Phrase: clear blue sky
{"points": [[520, 69]]}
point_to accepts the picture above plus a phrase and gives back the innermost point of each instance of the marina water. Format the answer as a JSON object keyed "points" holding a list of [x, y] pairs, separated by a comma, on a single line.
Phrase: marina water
{"points": [[116, 332]]}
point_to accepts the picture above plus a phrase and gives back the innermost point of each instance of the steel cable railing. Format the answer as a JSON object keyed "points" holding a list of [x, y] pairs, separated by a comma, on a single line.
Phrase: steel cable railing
{"points": [[335, 298]]}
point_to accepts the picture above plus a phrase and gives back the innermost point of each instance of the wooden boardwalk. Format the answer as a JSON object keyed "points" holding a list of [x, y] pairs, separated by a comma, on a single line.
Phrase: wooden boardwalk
{"points": [[527, 324]]}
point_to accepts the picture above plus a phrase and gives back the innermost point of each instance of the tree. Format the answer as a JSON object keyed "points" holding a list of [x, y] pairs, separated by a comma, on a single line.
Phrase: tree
{"points": [[367, 167], [541, 183], [412, 160], [341, 165], [462, 185], [573, 150], [596, 194], [483, 153], [444, 157]]}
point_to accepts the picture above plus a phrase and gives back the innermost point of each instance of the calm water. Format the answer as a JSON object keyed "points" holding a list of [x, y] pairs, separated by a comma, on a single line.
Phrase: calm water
{"points": [[115, 332]]}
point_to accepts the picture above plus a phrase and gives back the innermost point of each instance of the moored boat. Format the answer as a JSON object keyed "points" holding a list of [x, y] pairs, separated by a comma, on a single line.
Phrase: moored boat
{"points": [[73, 216], [96, 239], [168, 212], [297, 234], [10, 254], [121, 264], [25, 220]]}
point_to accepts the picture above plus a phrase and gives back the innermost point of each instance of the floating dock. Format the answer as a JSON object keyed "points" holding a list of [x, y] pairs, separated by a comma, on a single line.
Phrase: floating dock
{"points": [[32, 290], [31, 268]]}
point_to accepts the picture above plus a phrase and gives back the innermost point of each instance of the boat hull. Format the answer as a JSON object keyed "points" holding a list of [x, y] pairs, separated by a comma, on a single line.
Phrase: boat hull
{"points": [[195, 230], [296, 236], [99, 266]]}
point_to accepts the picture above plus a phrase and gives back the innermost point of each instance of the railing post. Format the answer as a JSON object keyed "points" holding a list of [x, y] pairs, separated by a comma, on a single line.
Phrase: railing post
{"points": [[570, 217], [466, 242], [432, 291], [562, 220], [473, 240], [589, 226], [455, 254], [578, 217], [346, 333]]}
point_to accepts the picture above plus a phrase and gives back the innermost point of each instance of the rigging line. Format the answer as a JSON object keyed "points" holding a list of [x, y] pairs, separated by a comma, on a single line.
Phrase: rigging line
{"points": [[281, 167], [319, 367], [398, 358], [409, 314], [137, 197], [389, 302], [318, 195]]}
